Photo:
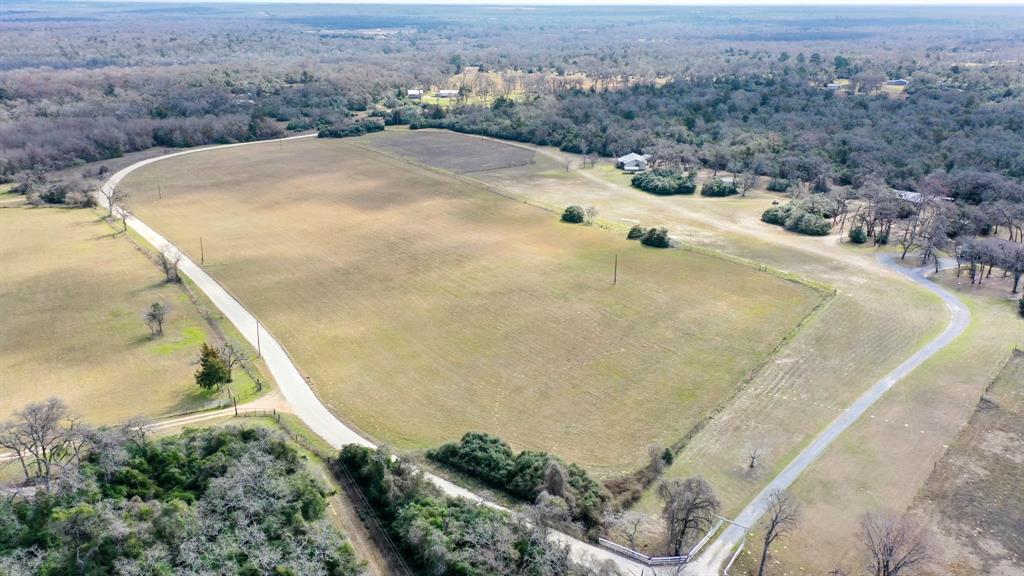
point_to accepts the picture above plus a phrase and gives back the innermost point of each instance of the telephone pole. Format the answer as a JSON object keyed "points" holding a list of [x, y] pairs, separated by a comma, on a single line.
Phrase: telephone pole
{"points": [[615, 275], [202, 252]]}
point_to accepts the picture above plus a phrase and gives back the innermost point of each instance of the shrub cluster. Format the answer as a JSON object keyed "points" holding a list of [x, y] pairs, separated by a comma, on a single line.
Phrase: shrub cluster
{"points": [[778, 185], [574, 214], [665, 182], [448, 536], [656, 238], [357, 128], [858, 235], [522, 475], [184, 505], [636, 232], [797, 217], [717, 188]]}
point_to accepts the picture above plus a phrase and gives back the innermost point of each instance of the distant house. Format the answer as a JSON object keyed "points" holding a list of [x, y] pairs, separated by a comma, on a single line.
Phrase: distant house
{"points": [[898, 82], [447, 93], [414, 94], [907, 195], [633, 162]]}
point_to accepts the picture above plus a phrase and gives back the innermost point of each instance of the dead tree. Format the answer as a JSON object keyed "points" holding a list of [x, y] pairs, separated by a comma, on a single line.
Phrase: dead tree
{"points": [[690, 507], [44, 437], [113, 196], [231, 356], [754, 458], [782, 516], [170, 259], [895, 543]]}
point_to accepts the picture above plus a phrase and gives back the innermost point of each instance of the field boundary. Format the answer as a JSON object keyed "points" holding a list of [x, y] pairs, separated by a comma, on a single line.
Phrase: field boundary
{"points": [[960, 319], [291, 382], [821, 287]]}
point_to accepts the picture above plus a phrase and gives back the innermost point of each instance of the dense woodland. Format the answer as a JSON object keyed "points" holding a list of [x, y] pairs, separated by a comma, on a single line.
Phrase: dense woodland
{"points": [[114, 501], [737, 91]]}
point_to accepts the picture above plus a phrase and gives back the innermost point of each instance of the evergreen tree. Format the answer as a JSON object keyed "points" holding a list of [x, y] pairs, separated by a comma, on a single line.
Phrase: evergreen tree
{"points": [[213, 372]]}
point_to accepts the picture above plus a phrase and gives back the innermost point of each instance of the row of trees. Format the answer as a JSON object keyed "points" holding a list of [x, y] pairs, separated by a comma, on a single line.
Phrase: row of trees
{"points": [[441, 535]]}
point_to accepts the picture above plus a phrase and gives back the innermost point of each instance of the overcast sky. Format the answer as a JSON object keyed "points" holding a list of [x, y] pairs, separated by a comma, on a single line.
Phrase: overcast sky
{"points": [[646, 2]]}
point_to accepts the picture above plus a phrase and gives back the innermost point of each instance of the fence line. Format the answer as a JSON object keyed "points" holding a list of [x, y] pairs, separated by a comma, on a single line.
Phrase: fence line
{"points": [[376, 526], [370, 517], [642, 558]]}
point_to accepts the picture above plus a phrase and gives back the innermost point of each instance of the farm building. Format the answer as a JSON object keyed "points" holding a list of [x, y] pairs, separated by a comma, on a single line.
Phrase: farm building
{"points": [[633, 162], [908, 196], [447, 93], [898, 82], [414, 94]]}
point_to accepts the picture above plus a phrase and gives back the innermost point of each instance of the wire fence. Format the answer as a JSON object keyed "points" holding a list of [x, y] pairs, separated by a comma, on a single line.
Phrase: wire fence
{"points": [[349, 486]]}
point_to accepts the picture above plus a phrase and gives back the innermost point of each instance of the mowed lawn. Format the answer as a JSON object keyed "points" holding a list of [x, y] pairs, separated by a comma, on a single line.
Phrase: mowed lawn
{"points": [[422, 307], [72, 298]]}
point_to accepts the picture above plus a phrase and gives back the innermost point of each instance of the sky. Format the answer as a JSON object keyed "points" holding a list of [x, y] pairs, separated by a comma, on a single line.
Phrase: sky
{"points": [[647, 2]]}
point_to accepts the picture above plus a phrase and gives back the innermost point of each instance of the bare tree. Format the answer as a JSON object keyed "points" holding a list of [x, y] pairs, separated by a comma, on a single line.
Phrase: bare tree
{"points": [[690, 506], [627, 523], [754, 457], [782, 516], [113, 197], [170, 259], [232, 356], [894, 542], [589, 214], [154, 318], [44, 437]]}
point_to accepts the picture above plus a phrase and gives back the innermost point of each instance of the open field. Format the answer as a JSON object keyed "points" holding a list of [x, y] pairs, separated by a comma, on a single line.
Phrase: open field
{"points": [[875, 321], [72, 297], [884, 460], [450, 152], [422, 306], [974, 496]]}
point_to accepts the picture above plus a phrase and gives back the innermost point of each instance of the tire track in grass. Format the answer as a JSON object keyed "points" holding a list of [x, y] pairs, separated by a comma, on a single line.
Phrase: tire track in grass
{"points": [[718, 553]]}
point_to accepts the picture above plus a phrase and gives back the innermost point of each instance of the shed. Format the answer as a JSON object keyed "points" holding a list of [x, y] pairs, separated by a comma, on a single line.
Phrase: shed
{"points": [[633, 162]]}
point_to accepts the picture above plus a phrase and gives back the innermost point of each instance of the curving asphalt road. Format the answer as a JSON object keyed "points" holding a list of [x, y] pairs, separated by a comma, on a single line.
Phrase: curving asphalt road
{"points": [[309, 408], [293, 386], [718, 554]]}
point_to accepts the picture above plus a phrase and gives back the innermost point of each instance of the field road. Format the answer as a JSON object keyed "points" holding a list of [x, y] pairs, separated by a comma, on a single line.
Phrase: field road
{"points": [[717, 554], [308, 407], [290, 381]]}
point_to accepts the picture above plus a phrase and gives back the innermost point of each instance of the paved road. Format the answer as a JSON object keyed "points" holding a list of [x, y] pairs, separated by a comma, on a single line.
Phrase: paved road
{"points": [[290, 381], [717, 554]]}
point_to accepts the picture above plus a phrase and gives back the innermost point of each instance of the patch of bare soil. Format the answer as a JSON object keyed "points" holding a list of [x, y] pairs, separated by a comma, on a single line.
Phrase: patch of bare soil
{"points": [[975, 495]]}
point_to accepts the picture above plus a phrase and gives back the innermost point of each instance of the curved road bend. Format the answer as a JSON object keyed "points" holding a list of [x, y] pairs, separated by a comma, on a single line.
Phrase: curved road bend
{"points": [[718, 553], [293, 386]]}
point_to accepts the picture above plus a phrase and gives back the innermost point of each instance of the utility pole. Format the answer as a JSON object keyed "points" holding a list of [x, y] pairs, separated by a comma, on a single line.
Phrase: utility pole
{"points": [[202, 252], [615, 275], [159, 192]]}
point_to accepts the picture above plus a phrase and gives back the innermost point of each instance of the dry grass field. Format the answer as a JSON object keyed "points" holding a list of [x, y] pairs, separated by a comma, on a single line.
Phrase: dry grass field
{"points": [[873, 323], [974, 496], [883, 461], [71, 302], [422, 306]]}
